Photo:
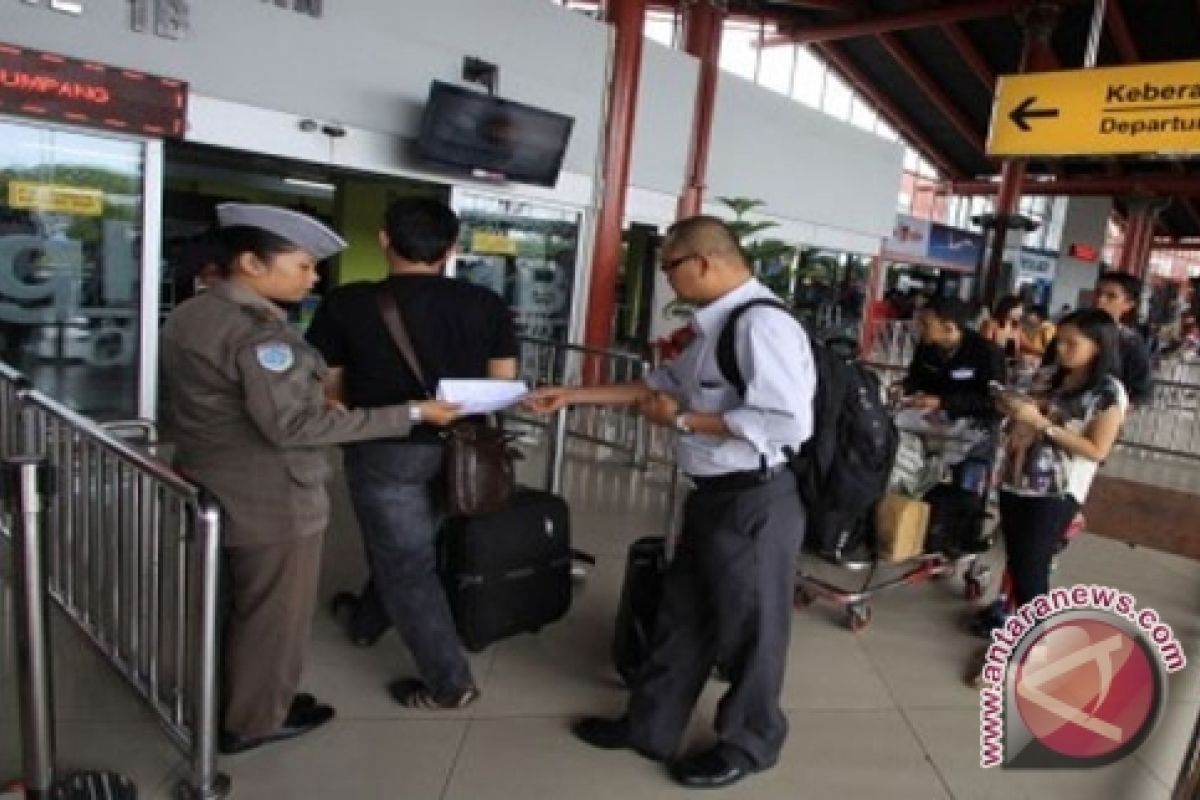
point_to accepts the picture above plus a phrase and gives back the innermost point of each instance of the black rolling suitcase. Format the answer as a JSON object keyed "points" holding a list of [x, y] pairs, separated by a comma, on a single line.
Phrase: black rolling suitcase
{"points": [[641, 594], [508, 572]]}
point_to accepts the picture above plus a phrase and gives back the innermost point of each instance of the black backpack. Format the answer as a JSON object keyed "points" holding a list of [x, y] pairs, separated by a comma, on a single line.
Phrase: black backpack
{"points": [[844, 466]]}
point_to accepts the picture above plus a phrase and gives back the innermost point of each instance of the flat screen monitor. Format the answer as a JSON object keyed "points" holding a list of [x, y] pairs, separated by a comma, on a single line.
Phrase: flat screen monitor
{"points": [[491, 137]]}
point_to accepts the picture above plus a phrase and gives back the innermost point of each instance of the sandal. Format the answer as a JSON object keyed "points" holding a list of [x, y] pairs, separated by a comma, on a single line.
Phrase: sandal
{"points": [[413, 693]]}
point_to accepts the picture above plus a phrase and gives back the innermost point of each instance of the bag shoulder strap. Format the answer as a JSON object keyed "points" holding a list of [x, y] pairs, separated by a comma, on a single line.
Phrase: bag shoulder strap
{"points": [[390, 312], [726, 349]]}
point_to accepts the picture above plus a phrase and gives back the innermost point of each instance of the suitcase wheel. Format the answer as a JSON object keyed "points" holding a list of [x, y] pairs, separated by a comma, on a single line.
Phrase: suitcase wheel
{"points": [[858, 617]]}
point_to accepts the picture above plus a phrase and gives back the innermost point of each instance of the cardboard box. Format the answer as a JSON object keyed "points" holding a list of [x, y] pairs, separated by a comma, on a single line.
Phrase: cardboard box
{"points": [[900, 526]]}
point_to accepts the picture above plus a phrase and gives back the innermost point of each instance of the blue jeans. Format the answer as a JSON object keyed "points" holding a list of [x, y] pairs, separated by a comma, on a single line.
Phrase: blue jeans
{"points": [[391, 486]]}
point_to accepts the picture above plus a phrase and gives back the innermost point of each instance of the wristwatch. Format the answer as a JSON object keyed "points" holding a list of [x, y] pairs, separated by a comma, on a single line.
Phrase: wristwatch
{"points": [[681, 423], [1049, 430], [415, 415]]}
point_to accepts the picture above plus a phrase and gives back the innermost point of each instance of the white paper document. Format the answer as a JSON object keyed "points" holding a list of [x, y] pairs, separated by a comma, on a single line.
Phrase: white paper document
{"points": [[481, 396]]}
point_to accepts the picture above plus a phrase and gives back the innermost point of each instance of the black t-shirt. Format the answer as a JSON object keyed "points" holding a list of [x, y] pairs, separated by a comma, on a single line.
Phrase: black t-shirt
{"points": [[455, 327]]}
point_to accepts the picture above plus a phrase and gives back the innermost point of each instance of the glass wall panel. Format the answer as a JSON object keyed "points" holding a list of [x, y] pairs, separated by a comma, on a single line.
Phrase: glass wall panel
{"points": [[776, 68], [739, 53], [809, 83], [70, 264], [524, 252]]}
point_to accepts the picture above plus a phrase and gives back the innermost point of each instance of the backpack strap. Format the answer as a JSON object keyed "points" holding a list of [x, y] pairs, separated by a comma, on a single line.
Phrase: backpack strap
{"points": [[726, 341]]}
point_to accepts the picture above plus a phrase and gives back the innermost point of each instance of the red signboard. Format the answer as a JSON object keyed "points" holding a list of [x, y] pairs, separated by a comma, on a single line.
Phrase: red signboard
{"points": [[53, 87], [1084, 252]]}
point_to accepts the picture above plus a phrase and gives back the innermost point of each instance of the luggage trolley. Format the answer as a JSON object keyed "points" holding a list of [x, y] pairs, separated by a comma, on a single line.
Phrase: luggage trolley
{"points": [[929, 451]]}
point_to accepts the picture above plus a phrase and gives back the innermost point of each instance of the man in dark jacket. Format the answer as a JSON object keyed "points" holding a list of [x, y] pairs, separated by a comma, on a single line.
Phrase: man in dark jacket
{"points": [[953, 365], [1118, 293]]}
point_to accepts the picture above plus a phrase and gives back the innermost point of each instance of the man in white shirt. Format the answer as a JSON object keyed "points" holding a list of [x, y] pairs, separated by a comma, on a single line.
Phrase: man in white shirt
{"points": [[727, 596]]}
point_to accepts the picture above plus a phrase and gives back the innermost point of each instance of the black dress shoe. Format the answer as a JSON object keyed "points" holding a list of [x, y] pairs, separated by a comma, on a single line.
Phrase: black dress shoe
{"points": [[607, 734], [303, 716], [712, 769], [300, 702]]}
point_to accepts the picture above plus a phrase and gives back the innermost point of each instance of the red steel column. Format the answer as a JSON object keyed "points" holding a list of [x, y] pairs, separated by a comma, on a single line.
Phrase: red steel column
{"points": [[1037, 56], [628, 18], [1139, 234], [702, 39], [1129, 245]]}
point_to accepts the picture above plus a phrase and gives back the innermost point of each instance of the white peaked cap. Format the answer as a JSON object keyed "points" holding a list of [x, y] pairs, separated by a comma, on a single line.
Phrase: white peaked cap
{"points": [[300, 229]]}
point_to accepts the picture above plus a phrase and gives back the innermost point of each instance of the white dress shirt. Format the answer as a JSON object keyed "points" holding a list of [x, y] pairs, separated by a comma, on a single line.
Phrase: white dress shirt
{"points": [[775, 360]]}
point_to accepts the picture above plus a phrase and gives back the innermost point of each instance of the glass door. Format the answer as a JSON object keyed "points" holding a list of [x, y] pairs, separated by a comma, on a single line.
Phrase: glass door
{"points": [[524, 252], [73, 260]]}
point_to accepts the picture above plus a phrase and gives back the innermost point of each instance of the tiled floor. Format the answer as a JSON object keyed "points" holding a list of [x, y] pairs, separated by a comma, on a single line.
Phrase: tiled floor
{"points": [[880, 715]]}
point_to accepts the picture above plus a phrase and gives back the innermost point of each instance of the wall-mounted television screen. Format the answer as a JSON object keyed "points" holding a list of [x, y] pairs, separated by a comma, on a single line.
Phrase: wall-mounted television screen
{"points": [[490, 137]]}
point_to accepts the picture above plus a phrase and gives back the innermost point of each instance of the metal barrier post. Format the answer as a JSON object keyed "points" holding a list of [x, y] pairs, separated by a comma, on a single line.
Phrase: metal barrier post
{"points": [[21, 479], [1188, 785], [556, 459], [205, 782], [641, 440]]}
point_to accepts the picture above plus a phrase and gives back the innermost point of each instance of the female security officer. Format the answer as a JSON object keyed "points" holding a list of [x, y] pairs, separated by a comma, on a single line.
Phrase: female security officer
{"points": [[251, 421]]}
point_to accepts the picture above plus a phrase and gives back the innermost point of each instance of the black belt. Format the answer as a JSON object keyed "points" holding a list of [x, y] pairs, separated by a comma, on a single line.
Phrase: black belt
{"points": [[737, 481]]}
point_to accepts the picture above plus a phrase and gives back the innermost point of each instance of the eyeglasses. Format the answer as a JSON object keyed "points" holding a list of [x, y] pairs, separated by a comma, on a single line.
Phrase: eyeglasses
{"points": [[672, 264]]}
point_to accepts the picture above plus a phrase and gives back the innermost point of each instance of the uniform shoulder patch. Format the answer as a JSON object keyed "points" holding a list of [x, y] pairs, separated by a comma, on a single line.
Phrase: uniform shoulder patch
{"points": [[275, 356]]}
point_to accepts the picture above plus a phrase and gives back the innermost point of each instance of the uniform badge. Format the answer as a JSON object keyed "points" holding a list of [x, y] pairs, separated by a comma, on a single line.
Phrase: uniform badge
{"points": [[275, 356]]}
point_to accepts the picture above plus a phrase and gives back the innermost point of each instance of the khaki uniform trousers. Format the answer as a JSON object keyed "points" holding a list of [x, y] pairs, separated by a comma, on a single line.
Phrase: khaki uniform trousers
{"points": [[272, 593]]}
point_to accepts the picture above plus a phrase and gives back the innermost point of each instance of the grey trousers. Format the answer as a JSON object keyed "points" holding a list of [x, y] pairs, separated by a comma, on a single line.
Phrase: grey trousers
{"points": [[727, 599]]}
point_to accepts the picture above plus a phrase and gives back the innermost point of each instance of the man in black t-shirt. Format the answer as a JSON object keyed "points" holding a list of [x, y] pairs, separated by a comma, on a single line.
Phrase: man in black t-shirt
{"points": [[458, 331]]}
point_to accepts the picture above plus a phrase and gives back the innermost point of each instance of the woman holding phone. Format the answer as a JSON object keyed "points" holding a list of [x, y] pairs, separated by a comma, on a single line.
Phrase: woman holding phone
{"points": [[1056, 441]]}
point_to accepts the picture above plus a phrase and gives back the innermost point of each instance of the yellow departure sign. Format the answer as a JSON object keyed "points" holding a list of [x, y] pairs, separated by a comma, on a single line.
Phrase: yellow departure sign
{"points": [[1150, 108]]}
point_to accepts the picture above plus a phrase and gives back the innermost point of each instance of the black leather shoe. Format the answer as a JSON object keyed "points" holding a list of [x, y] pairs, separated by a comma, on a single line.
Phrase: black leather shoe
{"points": [[302, 701], [304, 715], [712, 769], [607, 734]]}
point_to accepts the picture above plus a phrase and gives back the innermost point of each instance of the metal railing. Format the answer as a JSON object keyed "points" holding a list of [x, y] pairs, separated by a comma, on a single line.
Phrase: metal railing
{"points": [[893, 342], [132, 558], [622, 431], [1168, 427]]}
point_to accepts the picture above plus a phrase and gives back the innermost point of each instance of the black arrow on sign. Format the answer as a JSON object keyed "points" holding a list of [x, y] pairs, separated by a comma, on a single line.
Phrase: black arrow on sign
{"points": [[1025, 111]]}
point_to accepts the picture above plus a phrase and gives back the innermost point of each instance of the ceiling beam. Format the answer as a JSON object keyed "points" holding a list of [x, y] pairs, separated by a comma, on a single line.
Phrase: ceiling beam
{"points": [[1189, 208], [888, 23], [1118, 29], [1176, 244], [819, 5], [932, 89], [970, 55], [884, 105], [1165, 185]]}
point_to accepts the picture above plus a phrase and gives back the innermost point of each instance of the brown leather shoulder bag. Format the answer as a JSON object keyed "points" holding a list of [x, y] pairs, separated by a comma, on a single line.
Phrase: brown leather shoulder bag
{"points": [[479, 474]]}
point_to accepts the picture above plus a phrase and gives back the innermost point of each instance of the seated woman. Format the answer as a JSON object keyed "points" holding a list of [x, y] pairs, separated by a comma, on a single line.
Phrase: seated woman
{"points": [[1055, 444], [1037, 333], [1003, 329]]}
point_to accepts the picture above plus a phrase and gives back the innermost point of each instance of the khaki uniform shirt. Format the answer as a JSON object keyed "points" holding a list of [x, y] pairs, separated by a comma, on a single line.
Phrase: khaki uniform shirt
{"points": [[247, 413]]}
